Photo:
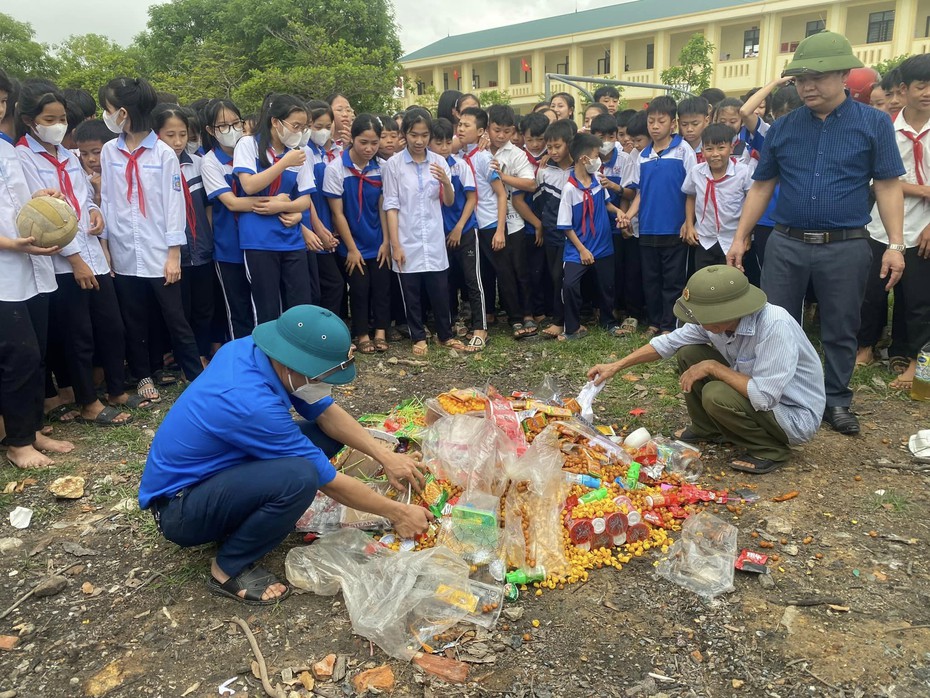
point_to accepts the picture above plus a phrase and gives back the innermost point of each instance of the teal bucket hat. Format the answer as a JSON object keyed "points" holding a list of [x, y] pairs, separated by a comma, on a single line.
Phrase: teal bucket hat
{"points": [[311, 341]]}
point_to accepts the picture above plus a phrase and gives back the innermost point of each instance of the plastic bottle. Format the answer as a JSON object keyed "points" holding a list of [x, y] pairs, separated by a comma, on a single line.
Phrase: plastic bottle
{"points": [[679, 458], [632, 475], [592, 483], [536, 574], [594, 495], [920, 388]]}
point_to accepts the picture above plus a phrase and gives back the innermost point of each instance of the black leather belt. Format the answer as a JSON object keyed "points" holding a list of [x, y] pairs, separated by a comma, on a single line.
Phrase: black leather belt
{"points": [[821, 237]]}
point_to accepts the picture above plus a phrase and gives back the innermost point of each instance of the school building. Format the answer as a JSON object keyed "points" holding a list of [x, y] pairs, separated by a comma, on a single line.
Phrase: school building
{"points": [[635, 41]]}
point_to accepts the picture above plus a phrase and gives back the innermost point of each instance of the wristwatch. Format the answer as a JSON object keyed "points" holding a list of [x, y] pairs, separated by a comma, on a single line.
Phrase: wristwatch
{"points": [[897, 248]]}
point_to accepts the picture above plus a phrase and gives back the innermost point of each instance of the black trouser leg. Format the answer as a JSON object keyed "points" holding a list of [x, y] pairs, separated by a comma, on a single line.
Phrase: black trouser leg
{"points": [[651, 263], [22, 374], [516, 261], [134, 296], [674, 277], [899, 328], [915, 292], [436, 287], [411, 291], [536, 276], [707, 258], [488, 272], [456, 280], [604, 277], [554, 255], [57, 374], [197, 297], [873, 315], [469, 259], [379, 299], [572, 274], [505, 270], [634, 298], [295, 280], [109, 335], [359, 296], [73, 307], [237, 298], [183, 344], [332, 284], [263, 268], [313, 268]]}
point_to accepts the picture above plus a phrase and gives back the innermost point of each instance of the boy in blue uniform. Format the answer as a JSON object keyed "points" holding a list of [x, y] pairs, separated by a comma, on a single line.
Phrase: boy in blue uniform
{"points": [[583, 215], [658, 174], [533, 127]]}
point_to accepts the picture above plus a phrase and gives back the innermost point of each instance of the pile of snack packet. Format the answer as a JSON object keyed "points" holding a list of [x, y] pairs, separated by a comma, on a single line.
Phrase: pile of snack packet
{"points": [[524, 490]]}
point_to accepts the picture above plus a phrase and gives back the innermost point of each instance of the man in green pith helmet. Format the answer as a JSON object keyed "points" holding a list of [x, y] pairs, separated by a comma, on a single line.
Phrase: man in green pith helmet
{"points": [[749, 373], [825, 156]]}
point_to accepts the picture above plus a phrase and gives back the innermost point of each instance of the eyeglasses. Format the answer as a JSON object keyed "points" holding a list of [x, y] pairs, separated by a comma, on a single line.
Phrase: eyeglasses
{"points": [[335, 369], [296, 128], [687, 311], [227, 128]]}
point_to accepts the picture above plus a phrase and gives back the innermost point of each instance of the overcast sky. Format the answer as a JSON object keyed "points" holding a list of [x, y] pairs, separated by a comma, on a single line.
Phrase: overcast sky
{"points": [[121, 20]]}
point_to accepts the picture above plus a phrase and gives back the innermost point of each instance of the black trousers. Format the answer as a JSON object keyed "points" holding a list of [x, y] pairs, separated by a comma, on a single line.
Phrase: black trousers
{"points": [[603, 271], [197, 296], [93, 327], [279, 280], [22, 370], [510, 268], [140, 298], [554, 265], [237, 298], [466, 259], [665, 272], [708, 258], [628, 277], [753, 259], [369, 296], [435, 284], [313, 268], [874, 313], [537, 278], [332, 283]]}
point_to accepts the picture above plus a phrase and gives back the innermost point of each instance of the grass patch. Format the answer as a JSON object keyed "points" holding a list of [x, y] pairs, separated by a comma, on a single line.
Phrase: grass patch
{"points": [[892, 501]]}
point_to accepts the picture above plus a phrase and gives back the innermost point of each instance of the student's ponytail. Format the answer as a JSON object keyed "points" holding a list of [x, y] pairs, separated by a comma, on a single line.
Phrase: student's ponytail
{"points": [[136, 96]]}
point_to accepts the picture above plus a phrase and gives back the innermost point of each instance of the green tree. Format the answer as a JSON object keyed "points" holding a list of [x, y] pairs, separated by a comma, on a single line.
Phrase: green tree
{"points": [[90, 60], [429, 100], [695, 65], [488, 97], [21, 56], [886, 66]]}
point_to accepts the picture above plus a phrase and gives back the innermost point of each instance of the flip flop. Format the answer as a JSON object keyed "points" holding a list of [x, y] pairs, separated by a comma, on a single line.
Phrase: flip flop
{"points": [[381, 345], [898, 364], [628, 326], [254, 580], [58, 414], [755, 466], [420, 349], [147, 386], [366, 347], [580, 334], [163, 377], [530, 329], [106, 418], [135, 402], [475, 344]]}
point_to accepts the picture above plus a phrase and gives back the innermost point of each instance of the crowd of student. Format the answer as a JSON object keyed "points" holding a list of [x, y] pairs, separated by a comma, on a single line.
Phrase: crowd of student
{"points": [[198, 222]]}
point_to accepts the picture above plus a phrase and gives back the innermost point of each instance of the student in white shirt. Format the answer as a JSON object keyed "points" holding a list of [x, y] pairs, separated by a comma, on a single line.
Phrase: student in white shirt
{"points": [[27, 279], [716, 190], [414, 181], [84, 308], [142, 199]]}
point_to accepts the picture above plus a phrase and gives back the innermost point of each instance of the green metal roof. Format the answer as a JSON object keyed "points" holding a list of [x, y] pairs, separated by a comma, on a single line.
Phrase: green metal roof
{"points": [[588, 20]]}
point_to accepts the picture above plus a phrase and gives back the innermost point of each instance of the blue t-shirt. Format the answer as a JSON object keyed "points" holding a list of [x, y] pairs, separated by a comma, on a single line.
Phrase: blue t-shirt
{"points": [[235, 412], [319, 158], [462, 181], [342, 181], [217, 173], [585, 212], [659, 177]]}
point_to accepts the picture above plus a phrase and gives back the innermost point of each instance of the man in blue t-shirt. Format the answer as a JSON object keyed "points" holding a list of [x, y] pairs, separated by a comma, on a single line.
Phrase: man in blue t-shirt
{"points": [[230, 464]]}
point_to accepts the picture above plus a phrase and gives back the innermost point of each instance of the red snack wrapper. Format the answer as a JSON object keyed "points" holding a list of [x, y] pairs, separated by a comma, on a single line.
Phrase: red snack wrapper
{"points": [[751, 561], [503, 416]]}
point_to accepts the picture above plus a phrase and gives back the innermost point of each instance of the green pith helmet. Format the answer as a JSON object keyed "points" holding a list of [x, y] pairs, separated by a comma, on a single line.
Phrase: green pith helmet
{"points": [[718, 294], [823, 52]]}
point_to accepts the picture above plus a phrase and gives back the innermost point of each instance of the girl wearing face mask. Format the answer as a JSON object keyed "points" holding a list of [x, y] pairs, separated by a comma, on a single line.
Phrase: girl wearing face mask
{"points": [[272, 164], [174, 125], [330, 284], [84, 312], [225, 127], [352, 185], [142, 198]]}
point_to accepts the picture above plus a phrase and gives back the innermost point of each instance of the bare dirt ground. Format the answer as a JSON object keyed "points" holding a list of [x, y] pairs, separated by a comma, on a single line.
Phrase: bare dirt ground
{"points": [[845, 612]]}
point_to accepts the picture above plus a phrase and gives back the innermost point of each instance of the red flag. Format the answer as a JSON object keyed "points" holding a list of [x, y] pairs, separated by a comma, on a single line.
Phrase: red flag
{"points": [[455, 75], [524, 65]]}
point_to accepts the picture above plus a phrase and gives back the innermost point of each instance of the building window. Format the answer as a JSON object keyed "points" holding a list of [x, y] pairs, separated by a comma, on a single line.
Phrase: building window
{"points": [[650, 56], [603, 64], [421, 88], [445, 81], [751, 43], [881, 26], [815, 27]]}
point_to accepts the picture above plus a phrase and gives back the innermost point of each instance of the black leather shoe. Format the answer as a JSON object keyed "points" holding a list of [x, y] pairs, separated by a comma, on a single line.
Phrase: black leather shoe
{"points": [[842, 420]]}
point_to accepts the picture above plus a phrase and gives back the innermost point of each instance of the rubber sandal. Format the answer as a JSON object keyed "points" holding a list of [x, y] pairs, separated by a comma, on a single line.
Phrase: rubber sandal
{"points": [[135, 402], [147, 386], [163, 378], [517, 328], [254, 580], [898, 364], [460, 329], [396, 336], [530, 329], [366, 347], [106, 418], [420, 349], [651, 332], [580, 334], [58, 414], [693, 437], [755, 466], [475, 344], [628, 326], [381, 345]]}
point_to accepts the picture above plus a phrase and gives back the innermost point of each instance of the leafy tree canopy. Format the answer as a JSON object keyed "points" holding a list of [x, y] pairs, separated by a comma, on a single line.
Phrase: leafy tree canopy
{"points": [[695, 65]]}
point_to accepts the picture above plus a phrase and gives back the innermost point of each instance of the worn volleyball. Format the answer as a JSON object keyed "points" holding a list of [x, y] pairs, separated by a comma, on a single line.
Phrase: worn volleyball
{"points": [[52, 222]]}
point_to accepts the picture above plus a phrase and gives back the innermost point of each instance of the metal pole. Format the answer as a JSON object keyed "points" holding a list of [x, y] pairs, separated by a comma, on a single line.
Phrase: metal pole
{"points": [[574, 79]]}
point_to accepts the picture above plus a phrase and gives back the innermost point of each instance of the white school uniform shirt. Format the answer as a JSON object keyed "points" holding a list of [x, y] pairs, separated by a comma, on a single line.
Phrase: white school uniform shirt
{"points": [[412, 190], [478, 161], [41, 174], [718, 222], [916, 208], [139, 244], [514, 163], [22, 276]]}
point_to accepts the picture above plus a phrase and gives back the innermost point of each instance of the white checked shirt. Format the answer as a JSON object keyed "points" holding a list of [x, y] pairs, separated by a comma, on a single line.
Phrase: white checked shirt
{"points": [[718, 208], [412, 190], [139, 244]]}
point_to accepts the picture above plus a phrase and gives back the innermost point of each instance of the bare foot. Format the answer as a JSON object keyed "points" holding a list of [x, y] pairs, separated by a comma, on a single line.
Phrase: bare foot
{"points": [[28, 457], [552, 331], [865, 357], [272, 592], [906, 380], [45, 443]]}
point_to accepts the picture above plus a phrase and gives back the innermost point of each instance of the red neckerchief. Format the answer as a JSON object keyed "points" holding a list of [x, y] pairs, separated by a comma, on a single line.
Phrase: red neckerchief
{"points": [[64, 179], [276, 184], [710, 195], [365, 179], [471, 166], [918, 152], [189, 207], [533, 161], [587, 206], [699, 155], [132, 170]]}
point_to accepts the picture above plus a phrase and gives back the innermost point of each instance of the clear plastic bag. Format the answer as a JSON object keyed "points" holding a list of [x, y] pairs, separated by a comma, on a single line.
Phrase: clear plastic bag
{"points": [[400, 600], [470, 453], [548, 391], [533, 509], [586, 400], [702, 559]]}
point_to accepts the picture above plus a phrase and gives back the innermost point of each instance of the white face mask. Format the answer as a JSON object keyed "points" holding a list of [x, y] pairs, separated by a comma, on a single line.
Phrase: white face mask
{"points": [[52, 135], [229, 140], [304, 138], [593, 166], [311, 393], [290, 139], [111, 122], [320, 137], [192, 147], [607, 147]]}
